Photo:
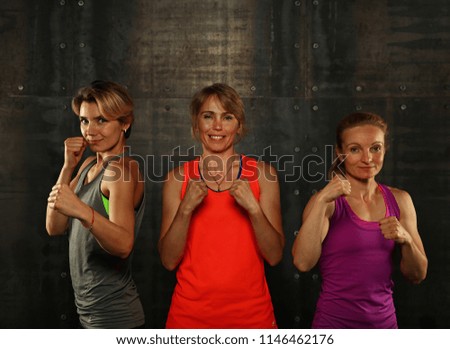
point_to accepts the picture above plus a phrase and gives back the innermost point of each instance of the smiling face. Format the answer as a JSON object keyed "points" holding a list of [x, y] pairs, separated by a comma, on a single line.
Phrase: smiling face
{"points": [[216, 128], [104, 134], [363, 148]]}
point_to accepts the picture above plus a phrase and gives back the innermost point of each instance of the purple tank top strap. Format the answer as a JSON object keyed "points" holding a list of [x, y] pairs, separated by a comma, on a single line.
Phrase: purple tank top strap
{"points": [[339, 208], [390, 201]]}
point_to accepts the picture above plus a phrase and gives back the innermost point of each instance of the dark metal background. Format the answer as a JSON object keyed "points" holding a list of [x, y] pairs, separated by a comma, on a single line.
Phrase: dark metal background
{"points": [[300, 66]]}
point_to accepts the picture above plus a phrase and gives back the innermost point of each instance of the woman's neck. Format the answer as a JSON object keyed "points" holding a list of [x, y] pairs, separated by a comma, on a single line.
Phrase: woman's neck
{"points": [[363, 189], [219, 172], [102, 156]]}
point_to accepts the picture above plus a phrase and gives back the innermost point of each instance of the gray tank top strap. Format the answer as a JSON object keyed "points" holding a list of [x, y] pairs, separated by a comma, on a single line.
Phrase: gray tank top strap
{"points": [[99, 177], [83, 174], [96, 183]]}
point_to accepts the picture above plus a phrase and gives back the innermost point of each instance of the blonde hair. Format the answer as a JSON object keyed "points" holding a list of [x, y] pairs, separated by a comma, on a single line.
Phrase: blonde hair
{"points": [[229, 99], [112, 100]]}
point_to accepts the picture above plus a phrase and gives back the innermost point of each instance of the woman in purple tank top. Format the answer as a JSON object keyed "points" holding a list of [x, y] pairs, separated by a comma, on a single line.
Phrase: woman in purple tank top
{"points": [[351, 227]]}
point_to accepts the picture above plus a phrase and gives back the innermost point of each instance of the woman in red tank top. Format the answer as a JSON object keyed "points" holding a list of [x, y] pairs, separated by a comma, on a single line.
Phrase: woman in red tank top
{"points": [[220, 221]]}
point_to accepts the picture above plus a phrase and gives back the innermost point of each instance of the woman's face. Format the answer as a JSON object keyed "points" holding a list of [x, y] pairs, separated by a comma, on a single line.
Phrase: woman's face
{"points": [[102, 133], [363, 148], [216, 128]]}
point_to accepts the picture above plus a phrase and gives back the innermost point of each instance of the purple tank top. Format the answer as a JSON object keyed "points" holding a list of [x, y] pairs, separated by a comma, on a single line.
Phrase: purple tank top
{"points": [[356, 268]]}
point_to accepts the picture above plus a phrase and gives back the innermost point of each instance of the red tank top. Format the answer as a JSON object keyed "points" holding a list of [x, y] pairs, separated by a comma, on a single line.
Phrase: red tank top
{"points": [[220, 280]]}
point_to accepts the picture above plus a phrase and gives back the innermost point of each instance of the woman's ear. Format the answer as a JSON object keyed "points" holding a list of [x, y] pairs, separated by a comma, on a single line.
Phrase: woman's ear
{"points": [[340, 155], [239, 131], [337, 151], [238, 137], [126, 126], [194, 133]]}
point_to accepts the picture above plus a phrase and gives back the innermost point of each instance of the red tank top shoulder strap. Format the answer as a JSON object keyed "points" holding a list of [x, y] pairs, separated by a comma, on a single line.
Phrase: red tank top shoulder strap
{"points": [[190, 169], [250, 172]]}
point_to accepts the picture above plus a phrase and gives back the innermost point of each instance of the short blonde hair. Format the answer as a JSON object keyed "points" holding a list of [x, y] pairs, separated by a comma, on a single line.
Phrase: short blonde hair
{"points": [[112, 100], [229, 99]]}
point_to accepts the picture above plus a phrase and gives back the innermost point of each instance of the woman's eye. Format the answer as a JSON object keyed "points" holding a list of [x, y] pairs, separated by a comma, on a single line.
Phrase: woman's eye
{"points": [[207, 116], [102, 120], [83, 121], [229, 117], [376, 148], [353, 150]]}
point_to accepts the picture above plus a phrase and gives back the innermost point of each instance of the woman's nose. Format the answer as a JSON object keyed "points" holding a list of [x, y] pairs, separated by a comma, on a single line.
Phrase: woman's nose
{"points": [[91, 128], [367, 156], [217, 124]]}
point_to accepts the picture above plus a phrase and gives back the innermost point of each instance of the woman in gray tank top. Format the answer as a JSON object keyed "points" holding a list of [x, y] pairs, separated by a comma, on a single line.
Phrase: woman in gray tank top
{"points": [[100, 208]]}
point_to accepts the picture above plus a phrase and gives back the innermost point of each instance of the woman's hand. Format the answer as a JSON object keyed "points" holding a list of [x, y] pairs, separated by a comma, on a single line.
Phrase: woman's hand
{"points": [[337, 187], [196, 191], [393, 230], [242, 193], [73, 151], [63, 200]]}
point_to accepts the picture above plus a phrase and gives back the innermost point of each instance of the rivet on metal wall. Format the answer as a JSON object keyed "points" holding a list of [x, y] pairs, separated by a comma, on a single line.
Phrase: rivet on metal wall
{"points": [[315, 2], [63, 317], [296, 233], [315, 277], [64, 107], [315, 88], [253, 88], [297, 149], [167, 107], [20, 87], [63, 275], [315, 45], [62, 45], [358, 88], [315, 107], [296, 107], [82, 44], [296, 45], [313, 191], [402, 87], [80, 3], [358, 107], [314, 149], [296, 192], [403, 107], [297, 318], [298, 3], [62, 2], [296, 276]]}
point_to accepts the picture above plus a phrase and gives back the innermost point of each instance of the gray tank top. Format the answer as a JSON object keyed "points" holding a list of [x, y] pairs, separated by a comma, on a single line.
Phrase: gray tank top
{"points": [[105, 293]]}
